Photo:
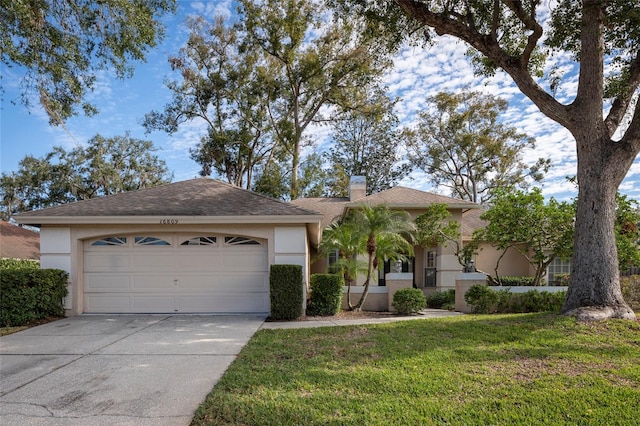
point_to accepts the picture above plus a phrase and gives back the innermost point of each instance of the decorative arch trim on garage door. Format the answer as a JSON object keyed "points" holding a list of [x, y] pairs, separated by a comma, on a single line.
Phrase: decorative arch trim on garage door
{"points": [[176, 273]]}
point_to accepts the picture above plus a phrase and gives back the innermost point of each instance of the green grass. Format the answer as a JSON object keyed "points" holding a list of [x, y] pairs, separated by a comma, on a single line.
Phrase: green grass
{"points": [[524, 369]]}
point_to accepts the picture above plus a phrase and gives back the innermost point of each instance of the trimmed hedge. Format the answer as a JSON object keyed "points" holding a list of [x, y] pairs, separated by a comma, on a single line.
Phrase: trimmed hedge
{"points": [[515, 281], [486, 300], [31, 294], [19, 264], [326, 294], [409, 301], [286, 290]]}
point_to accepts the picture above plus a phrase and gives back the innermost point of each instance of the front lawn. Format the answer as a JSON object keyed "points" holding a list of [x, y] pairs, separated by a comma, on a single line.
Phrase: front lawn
{"points": [[467, 370]]}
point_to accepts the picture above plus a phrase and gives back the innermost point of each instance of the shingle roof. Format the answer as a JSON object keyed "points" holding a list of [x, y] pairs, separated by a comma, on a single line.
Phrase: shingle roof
{"points": [[330, 208], [195, 197], [18, 243], [401, 196], [471, 221]]}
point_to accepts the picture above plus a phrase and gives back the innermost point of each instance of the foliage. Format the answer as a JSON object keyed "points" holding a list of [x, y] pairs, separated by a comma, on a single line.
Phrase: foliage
{"points": [[367, 142], [409, 301], [19, 264], [441, 299], [540, 232], [515, 281], [524, 369], [286, 291], [631, 291], [433, 229], [463, 146], [105, 166], [536, 44], [61, 45], [385, 236], [326, 294], [627, 229], [31, 294], [486, 300]]}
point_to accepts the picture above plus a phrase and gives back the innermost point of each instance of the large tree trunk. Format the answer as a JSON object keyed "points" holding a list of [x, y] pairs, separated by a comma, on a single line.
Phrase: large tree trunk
{"points": [[594, 288]]}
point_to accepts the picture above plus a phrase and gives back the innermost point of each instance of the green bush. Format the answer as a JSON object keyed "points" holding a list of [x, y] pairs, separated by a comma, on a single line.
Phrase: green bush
{"points": [[630, 286], [409, 301], [19, 264], [326, 294], [285, 286], [482, 298], [487, 300], [440, 299], [31, 294]]}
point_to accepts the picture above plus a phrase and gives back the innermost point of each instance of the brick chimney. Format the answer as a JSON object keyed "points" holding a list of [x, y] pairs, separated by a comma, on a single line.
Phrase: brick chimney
{"points": [[357, 188]]}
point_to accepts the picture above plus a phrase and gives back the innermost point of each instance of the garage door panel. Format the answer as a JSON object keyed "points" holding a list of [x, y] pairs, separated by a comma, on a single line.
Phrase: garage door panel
{"points": [[152, 261], [152, 283], [224, 303], [107, 262], [107, 303], [239, 261], [107, 282], [155, 304]]}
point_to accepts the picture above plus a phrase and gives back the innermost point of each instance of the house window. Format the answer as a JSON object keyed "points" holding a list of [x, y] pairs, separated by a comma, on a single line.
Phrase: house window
{"points": [[430, 271], [332, 259], [151, 241], [200, 241], [241, 241], [558, 267], [110, 241]]}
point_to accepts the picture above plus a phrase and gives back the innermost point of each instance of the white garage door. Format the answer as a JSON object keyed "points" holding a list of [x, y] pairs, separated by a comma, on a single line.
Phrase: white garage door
{"points": [[176, 273]]}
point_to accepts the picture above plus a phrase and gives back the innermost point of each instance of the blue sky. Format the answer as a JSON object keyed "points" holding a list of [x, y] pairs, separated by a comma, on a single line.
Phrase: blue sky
{"points": [[418, 74]]}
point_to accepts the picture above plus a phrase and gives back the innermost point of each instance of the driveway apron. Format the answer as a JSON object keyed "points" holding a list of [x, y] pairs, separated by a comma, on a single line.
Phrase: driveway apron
{"points": [[117, 369]]}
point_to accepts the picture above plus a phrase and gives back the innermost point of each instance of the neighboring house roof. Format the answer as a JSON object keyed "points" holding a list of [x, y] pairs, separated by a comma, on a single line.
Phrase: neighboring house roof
{"points": [[471, 221], [412, 198], [202, 197], [330, 208], [18, 243]]}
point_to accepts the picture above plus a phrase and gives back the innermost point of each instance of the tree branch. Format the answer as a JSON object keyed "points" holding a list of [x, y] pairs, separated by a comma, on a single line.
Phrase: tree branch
{"points": [[621, 102]]}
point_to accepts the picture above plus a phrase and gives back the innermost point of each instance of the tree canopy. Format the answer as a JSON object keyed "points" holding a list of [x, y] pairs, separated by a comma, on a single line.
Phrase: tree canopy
{"points": [[599, 40], [59, 45], [105, 166], [462, 145]]}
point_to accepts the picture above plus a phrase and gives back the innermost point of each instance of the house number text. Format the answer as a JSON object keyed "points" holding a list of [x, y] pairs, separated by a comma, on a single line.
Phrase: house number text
{"points": [[168, 221]]}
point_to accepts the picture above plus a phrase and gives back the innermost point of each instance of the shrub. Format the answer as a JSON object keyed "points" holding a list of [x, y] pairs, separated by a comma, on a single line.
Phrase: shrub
{"points": [[31, 294], [285, 286], [487, 300], [19, 264], [630, 286], [515, 281], [326, 294], [440, 299], [409, 301]]}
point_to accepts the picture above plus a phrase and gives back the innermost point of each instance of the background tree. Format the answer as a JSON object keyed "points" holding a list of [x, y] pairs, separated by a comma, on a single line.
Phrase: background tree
{"points": [[462, 145], [604, 116], [627, 232], [221, 85], [435, 227], [105, 166], [61, 44], [368, 142], [539, 232], [316, 60]]}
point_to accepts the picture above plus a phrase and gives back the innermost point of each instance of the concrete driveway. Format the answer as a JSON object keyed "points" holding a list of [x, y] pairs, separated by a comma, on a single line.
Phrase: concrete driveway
{"points": [[117, 370]]}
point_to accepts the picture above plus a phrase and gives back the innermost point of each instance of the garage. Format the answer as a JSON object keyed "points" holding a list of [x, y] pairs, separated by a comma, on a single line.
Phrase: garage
{"points": [[175, 273]]}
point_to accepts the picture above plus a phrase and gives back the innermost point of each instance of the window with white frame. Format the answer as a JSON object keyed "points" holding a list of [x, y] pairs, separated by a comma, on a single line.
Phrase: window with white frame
{"points": [[200, 241], [558, 268], [110, 241]]}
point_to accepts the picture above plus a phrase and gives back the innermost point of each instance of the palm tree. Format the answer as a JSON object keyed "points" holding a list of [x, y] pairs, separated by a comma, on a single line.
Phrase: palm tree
{"points": [[347, 239], [382, 228]]}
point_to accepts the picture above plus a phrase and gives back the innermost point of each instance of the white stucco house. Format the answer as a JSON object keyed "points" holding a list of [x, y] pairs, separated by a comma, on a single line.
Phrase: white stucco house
{"points": [[194, 246]]}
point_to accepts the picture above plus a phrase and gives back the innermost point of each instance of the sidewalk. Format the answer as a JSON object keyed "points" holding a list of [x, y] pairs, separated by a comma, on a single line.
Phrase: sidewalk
{"points": [[426, 313]]}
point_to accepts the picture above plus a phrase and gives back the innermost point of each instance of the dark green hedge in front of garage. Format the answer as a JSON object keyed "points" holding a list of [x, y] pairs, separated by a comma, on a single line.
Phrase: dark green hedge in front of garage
{"points": [[286, 291], [31, 294]]}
